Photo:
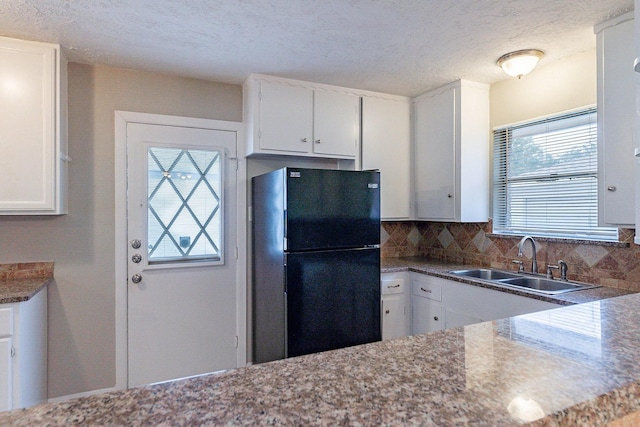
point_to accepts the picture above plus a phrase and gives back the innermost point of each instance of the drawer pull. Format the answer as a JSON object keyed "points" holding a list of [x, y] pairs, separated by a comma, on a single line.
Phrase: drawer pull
{"points": [[435, 318], [426, 290], [393, 286]]}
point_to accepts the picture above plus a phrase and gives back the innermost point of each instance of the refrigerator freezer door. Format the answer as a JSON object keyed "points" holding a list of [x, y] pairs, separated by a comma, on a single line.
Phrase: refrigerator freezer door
{"points": [[331, 209], [333, 300]]}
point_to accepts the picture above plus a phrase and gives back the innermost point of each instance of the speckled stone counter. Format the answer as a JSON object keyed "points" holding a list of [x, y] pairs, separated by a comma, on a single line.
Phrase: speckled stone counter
{"points": [[572, 366], [20, 282], [441, 269]]}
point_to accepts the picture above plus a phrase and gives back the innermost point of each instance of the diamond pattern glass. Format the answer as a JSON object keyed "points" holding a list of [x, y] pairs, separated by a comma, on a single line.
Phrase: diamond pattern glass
{"points": [[184, 205]]}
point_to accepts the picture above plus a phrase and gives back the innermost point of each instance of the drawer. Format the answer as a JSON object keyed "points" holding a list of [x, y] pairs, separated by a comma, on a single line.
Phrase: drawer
{"points": [[392, 286], [425, 288], [6, 321]]}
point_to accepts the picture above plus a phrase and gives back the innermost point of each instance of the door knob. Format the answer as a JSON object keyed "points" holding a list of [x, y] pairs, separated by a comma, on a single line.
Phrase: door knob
{"points": [[136, 278], [136, 243]]}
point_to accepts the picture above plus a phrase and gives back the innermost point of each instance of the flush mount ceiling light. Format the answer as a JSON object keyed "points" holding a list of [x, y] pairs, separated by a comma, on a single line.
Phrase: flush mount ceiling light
{"points": [[520, 62]]}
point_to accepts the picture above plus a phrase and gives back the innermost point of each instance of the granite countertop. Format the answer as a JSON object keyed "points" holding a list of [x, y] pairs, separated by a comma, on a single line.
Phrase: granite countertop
{"points": [[442, 270], [575, 365], [21, 281]]}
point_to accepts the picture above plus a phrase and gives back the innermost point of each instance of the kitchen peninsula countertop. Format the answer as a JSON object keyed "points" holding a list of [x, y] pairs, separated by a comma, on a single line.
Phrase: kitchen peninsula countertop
{"points": [[21, 281], [442, 270], [527, 370]]}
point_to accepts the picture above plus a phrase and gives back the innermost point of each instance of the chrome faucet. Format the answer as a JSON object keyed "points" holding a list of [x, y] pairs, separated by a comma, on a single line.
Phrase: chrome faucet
{"points": [[534, 262]]}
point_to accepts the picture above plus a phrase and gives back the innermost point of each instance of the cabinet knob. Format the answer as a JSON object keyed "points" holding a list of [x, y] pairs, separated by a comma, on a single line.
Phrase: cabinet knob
{"points": [[386, 312], [304, 140], [612, 188], [435, 318], [317, 141], [449, 196]]}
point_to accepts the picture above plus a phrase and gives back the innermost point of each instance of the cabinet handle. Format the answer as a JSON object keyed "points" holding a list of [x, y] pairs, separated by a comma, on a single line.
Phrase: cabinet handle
{"points": [[612, 188], [393, 286], [435, 318], [449, 196], [426, 290], [386, 312], [304, 140]]}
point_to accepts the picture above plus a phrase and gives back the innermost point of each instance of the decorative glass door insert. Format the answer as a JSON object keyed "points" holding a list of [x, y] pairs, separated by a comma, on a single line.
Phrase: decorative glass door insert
{"points": [[184, 205]]}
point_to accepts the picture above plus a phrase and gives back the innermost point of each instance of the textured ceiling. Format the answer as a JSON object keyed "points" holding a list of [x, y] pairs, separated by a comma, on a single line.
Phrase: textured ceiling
{"points": [[404, 47]]}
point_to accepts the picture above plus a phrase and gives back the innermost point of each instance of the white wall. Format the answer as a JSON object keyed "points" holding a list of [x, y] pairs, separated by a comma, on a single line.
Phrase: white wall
{"points": [[560, 86], [82, 300]]}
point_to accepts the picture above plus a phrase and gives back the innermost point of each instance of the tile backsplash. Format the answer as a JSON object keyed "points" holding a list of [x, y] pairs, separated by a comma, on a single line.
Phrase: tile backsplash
{"points": [[26, 270], [616, 265]]}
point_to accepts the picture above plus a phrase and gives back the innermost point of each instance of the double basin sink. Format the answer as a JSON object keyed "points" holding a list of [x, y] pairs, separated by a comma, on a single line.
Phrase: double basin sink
{"points": [[523, 281]]}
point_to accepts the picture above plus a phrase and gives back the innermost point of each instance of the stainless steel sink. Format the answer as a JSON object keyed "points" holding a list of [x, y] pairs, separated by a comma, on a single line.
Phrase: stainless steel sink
{"points": [[523, 281], [486, 274], [548, 286]]}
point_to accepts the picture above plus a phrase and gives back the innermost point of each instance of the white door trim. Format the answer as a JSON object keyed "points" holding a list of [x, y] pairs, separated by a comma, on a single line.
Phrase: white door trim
{"points": [[122, 118]]}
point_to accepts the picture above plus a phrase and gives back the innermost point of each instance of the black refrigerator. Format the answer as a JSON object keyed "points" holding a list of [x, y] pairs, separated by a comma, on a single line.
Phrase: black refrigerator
{"points": [[316, 261]]}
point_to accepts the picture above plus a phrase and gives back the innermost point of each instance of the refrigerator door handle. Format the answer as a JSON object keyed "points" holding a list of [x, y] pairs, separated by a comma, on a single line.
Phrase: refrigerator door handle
{"points": [[285, 239]]}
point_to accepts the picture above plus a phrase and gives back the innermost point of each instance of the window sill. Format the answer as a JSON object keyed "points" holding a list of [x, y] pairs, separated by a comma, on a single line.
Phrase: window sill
{"points": [[561, 240]]}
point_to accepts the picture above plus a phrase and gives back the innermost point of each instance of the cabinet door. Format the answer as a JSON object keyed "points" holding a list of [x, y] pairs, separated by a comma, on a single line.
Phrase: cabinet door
{"points": [[616, 113], [336, 124], [386, 146], [393, 316], [5, 374], [27, 127], [426, 315], [286, 118], [435, 163]]}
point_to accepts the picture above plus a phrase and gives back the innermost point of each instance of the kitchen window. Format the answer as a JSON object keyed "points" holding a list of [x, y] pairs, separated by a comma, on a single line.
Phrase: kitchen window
{"points": [[545, 178]]}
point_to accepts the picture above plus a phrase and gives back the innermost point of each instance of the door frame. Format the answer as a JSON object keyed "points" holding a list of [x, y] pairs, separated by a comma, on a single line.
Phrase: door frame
{"points": [[122, 118]]}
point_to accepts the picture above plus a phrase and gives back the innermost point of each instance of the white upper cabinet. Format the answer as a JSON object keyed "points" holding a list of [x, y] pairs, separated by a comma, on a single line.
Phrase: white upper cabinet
{"points": [[452, 162], [616, 115], [286, 118], [32, 128], [386, 146], [336, 124], [289, 117]]}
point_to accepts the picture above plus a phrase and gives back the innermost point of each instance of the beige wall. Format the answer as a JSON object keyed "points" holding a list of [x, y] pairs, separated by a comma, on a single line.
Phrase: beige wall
{"points": [[82, 300], [560, 86]]}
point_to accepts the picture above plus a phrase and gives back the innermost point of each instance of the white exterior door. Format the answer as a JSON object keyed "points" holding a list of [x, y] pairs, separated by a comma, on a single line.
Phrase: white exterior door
{"points": [[181, 229]]}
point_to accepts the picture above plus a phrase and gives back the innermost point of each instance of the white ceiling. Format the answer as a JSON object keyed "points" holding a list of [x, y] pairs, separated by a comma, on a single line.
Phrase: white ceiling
{"points": [[404, 47]]}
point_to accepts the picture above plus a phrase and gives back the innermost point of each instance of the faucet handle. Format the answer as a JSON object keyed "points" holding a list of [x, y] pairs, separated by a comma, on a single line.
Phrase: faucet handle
{"points": [[563, 270], [549, 270], [520, 265]]}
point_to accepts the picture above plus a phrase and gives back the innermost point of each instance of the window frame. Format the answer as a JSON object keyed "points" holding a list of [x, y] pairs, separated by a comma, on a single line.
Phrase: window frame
{"points": [[501, 181]]}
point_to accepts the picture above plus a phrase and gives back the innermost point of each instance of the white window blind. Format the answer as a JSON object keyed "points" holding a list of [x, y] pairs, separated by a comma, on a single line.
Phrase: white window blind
{"points": [[545, 178]]}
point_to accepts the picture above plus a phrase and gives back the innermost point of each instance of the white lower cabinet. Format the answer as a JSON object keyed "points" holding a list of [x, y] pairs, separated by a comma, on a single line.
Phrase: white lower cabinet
{"points": [[5, 373], [394, 318], [23, 353], [441, 304]]}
